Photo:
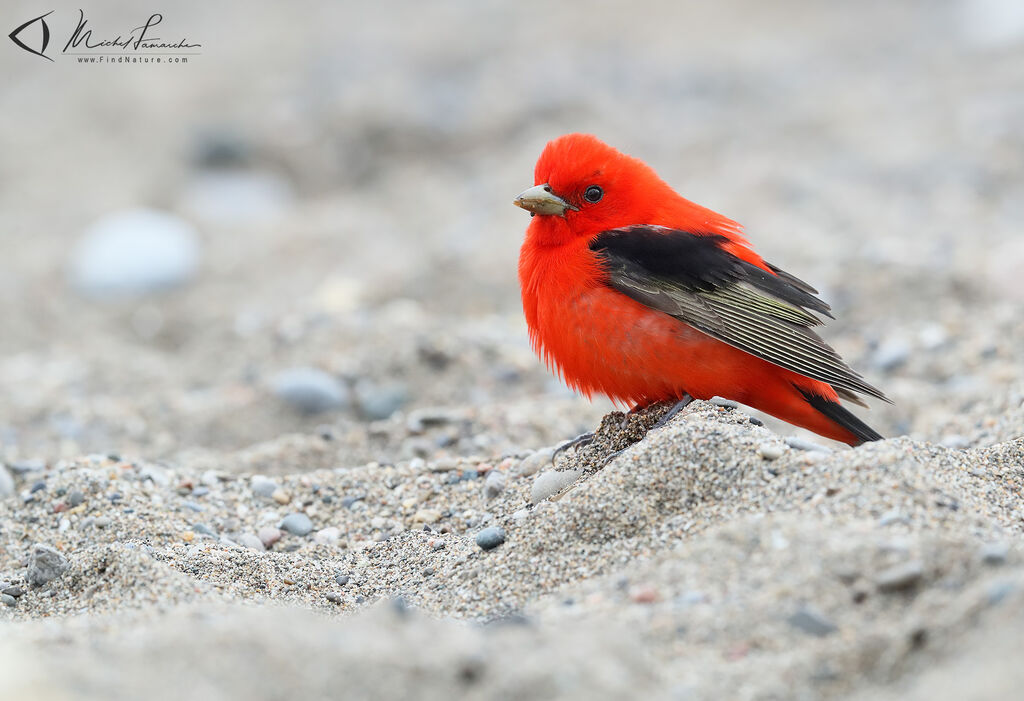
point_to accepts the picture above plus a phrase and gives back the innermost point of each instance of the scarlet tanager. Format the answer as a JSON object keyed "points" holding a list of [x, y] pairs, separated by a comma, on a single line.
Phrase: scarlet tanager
{"points": [[634, 292]]}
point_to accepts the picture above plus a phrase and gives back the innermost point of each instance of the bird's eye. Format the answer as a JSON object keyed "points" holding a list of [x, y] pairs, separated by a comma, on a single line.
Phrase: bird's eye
{"points": [[593, 194]]}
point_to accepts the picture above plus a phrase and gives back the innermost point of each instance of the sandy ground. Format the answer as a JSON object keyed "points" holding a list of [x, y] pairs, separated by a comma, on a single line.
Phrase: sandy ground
{"points": [[348, 172]]}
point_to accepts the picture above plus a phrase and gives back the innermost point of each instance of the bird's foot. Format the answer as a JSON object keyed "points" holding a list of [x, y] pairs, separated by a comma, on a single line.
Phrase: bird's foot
{"points": [[670, 414], [580, 441], [628, 414]]}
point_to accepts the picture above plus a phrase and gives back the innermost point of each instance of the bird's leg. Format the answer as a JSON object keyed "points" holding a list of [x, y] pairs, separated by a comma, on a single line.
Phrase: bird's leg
{"points": [[670, 414], [579, 441], [625, 418]]}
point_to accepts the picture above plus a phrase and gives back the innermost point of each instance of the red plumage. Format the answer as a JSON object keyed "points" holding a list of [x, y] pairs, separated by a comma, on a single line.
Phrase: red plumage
{"points": [[602, 340]]}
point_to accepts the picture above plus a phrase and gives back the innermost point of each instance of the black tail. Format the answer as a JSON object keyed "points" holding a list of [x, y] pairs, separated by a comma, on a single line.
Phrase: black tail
{"points": [[836, 412]]}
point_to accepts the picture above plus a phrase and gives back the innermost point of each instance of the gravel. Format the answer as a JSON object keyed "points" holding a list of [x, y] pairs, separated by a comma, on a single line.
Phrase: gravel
{"points": [[297, 524], [344, 232]]}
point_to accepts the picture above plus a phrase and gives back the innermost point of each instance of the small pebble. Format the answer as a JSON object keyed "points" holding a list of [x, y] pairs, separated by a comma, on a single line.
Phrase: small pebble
{"points": [[281, 497], [251, 541], [8, 600], [327, 536], [263, 487], [534, 462], [995, 553], [341, 579], [770, 451], [14, 591], [296, 523], [310, 390], [494, 484], [45, 564], [803, 444], [268, 535], [334, 597], [900, 577], [812, 622], [204, 529], [490, 538], [552, 482], [75, 498]]}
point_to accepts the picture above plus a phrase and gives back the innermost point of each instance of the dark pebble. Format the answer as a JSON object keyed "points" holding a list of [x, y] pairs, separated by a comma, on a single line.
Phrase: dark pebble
{"points": [[75, 498], [334, 597], [38, 487], [341, 579], [812, 622], [347, 502], [204, 529], [490, 538], [14, 591]]}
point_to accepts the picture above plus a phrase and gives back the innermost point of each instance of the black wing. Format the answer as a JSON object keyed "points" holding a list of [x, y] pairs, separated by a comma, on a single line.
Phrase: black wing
{"points": [[692, 278]]}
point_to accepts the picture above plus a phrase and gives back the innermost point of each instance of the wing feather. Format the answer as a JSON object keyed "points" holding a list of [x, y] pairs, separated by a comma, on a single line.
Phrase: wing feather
{"points": [[769, 316]]}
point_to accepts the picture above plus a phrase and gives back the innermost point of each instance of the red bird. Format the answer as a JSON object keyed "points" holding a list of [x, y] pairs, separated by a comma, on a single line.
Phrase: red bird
{"points": [[636, 293]]}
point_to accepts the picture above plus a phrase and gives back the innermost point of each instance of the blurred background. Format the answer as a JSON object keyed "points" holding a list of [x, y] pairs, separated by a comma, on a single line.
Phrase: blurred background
{"points": [[307, 229]]}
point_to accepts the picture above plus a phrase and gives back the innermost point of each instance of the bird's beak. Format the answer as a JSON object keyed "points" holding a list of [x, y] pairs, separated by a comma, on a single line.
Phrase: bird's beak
{"points": [[539, 199]]}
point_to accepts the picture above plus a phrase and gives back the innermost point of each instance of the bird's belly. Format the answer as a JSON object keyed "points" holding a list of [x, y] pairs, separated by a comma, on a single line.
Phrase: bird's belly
{"points": [[602, 341]]}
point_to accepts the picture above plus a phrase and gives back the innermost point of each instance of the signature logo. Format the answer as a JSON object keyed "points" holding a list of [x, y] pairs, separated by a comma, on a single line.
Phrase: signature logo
{"points": [[82, 42], [41, 19]]}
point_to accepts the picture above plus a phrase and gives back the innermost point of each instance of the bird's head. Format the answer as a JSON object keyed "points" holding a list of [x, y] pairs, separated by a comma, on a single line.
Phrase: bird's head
{"points": [[583, 186]]}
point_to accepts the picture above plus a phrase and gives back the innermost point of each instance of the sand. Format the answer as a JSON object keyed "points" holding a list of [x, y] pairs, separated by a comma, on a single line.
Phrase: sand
{"points": [[172, 525]]}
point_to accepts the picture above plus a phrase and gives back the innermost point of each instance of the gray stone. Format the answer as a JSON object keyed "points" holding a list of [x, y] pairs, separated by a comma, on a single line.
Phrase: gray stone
{"points": [[803, 444], [494, 484], [75, 498], [13, 590], [900, 577], [204, 529], [44, 565], [296, 523], [263, 487], [995, 553], [490, 538], [552, 482], [8, 600], [532, 463], [251, 541], [134, 252], [770, 451], [310, 390], [812, 622], [377, 402]]}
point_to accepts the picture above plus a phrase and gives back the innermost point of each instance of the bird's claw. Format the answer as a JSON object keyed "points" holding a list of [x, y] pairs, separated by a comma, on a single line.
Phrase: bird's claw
{"points": [[671, 413], [584, 439]]}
